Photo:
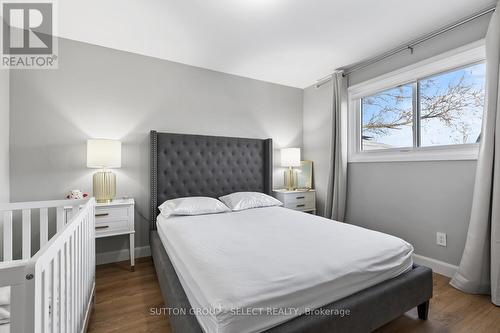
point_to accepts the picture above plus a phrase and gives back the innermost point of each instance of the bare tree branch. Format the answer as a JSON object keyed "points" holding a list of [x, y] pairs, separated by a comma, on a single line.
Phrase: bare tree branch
{"points": [[394, 109]]}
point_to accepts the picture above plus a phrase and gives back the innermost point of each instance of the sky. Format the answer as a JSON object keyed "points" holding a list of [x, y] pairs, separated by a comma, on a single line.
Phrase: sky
{"points": [[433, 131]]}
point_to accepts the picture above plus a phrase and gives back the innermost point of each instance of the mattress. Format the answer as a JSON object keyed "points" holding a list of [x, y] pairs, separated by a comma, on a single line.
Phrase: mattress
{"points": [[251, 270]]}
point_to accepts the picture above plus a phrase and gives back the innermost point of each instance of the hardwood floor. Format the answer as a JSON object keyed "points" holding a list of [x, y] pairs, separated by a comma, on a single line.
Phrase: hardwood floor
{"points": [[123, 300], [450, 311]]}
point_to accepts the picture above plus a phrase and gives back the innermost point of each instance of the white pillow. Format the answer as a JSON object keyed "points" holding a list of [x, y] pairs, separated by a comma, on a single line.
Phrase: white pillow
{"points": [[246, 200], [192, 206]]}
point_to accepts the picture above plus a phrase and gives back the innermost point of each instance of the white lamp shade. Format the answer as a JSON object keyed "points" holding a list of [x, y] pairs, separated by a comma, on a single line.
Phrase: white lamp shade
{"points": [[104, 153], [290, 157]]}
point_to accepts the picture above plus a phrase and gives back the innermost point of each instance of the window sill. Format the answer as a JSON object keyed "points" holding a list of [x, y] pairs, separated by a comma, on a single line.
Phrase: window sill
{"points": [[448, 153]]}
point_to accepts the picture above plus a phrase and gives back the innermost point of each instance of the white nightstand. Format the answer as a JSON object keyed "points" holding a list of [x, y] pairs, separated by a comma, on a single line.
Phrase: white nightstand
{"points": [[303, 200], [114, 219]]}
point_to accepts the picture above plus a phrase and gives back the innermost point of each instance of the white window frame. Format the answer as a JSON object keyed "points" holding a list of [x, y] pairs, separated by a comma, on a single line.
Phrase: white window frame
{"points": [[460, 57]]}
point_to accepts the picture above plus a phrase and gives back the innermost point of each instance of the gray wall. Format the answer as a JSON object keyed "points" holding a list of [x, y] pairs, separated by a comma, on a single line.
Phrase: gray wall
{"points": [[100, 92], [317, 137], [412, 200], [4, 135], [463, 35]]}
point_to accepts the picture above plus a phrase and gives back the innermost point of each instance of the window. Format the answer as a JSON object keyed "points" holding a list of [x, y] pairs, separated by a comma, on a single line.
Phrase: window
{"points": [[449, 111], [387, 119], [451, 106], [436, 113]]}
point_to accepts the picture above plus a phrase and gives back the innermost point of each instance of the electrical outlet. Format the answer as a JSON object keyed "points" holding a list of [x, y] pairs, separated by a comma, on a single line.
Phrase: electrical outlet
{"points": [[441, 238]]}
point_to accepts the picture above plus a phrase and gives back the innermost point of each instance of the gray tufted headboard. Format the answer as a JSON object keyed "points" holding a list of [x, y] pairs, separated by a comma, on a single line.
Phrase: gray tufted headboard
{"points": [[184, 165]]}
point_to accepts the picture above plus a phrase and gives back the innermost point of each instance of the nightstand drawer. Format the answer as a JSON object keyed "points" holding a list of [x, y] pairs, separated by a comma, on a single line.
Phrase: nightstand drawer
{"points": [[111, 213], [299, 198], [307, 205], [111, 226]]}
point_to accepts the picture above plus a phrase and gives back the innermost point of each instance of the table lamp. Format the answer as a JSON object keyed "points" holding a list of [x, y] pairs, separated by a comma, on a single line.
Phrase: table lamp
{"points": [[104, 154], [290, 157]]}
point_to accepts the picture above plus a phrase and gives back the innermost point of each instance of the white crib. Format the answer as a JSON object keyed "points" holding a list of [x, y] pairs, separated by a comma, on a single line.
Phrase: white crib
{"points": [[53, 289]]}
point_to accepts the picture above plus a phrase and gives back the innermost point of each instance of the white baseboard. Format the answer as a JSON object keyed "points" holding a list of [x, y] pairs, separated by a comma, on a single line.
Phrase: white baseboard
{"points": [[437, 266], [121, 255]]}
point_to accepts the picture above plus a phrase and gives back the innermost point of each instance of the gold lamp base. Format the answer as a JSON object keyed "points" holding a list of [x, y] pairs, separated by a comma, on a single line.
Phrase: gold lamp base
{"points": [[104, 186], [290, 179]]}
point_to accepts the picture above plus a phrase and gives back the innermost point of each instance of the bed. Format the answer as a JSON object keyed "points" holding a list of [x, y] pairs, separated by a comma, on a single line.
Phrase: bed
{"points": [[375, 287]]}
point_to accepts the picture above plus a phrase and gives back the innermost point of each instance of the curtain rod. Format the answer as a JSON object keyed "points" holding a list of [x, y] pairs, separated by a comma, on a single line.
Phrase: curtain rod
{"points": [[407, 46]]}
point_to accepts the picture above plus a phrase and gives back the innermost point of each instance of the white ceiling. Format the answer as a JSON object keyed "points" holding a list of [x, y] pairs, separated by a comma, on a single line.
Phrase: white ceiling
{"points": [[290, 42]]}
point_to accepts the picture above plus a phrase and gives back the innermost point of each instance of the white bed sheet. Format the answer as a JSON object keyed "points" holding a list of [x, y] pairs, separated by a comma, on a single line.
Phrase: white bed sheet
{"points": [[251, 270]]}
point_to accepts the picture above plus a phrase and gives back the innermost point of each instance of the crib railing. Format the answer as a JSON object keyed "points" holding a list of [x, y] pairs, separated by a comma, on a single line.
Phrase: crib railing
{"points": [[53, 290], [26, 209]]}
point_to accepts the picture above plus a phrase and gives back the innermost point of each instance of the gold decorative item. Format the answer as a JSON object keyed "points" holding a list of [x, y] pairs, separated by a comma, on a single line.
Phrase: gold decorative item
{"points": [[104, 154], [290, 158]]}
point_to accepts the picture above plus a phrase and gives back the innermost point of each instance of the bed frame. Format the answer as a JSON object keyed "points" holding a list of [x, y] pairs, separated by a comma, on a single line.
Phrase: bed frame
{"points": [[51, 290], [194, 165]]}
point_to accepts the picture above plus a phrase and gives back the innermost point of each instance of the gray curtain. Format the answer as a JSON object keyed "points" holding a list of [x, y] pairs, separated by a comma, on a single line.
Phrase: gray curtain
{"points": [[480, 264], [337, 179]]}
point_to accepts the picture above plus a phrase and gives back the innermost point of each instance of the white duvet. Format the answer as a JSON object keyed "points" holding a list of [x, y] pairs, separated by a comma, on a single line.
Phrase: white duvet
{"points": [[251, 270]]}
